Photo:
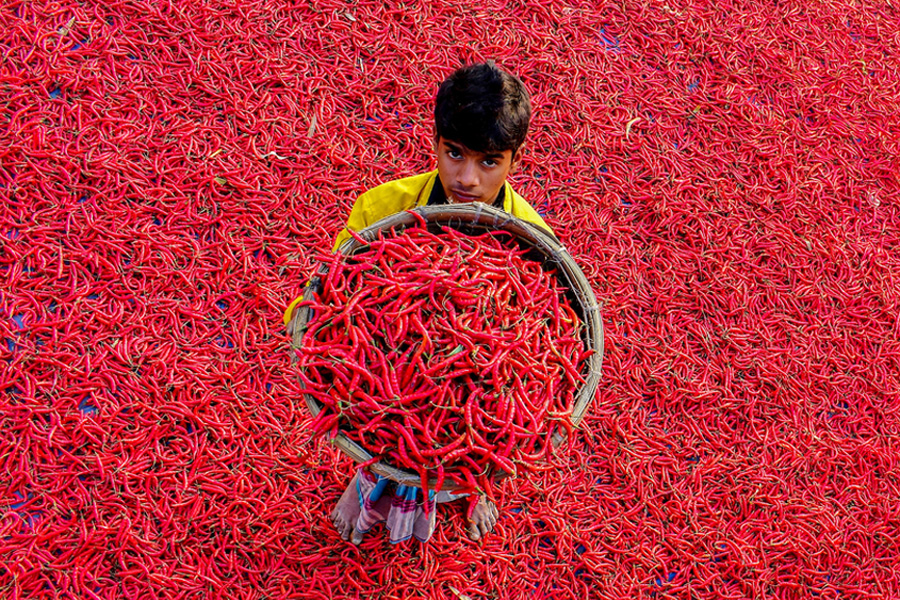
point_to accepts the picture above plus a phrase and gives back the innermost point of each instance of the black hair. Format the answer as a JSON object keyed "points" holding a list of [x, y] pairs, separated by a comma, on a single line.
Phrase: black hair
{"points": [[483, 108]]}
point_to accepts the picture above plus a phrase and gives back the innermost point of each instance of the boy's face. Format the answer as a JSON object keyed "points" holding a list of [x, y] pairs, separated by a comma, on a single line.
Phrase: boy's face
{"points": [[470, 176]]}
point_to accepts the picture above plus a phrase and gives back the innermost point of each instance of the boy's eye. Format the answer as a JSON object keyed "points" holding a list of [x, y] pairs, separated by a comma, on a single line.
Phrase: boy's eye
{"points": [[489, 162], [454, 154]]}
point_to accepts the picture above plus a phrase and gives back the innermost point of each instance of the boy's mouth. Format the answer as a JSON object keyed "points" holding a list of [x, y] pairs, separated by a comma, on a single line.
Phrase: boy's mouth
{"points": [[461, 196]]}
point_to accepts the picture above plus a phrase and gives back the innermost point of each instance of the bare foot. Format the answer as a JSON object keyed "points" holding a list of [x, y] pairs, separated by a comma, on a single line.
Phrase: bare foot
{"points": [[484, 517], [346, 513]]}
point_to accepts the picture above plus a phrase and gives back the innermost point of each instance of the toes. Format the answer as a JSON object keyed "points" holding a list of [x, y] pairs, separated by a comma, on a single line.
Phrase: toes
{"points": [[474, 532], [341, 527], [488, 519], [357, 536], [483, 519], [485, 526]]}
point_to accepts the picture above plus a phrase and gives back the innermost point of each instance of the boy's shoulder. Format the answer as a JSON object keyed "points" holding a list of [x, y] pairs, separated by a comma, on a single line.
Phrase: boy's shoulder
{"points": [[408, 192], [517, 206], [399, 190]]}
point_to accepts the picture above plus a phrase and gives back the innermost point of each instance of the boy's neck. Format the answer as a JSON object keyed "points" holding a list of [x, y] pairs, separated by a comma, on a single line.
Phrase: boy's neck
{"points": [[438, 197]]}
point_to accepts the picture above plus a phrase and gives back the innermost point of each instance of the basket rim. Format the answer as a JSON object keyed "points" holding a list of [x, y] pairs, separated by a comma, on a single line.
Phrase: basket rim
{"points": [[479, 215]]}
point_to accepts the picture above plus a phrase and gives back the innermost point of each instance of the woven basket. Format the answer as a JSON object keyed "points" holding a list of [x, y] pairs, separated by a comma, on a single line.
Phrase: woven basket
{"points": [[476, 218]]}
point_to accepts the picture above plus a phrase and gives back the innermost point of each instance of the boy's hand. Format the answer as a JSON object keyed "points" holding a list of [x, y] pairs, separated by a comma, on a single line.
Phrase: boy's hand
{"points": [[295, 332], [290, 327]]}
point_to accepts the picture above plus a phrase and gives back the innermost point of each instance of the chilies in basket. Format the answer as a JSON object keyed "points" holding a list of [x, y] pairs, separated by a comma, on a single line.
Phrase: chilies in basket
{"points": [[453, 356]]}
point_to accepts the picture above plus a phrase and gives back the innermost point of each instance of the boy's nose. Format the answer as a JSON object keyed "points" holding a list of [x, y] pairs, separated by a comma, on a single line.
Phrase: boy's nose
{"points": [[468, 175]]}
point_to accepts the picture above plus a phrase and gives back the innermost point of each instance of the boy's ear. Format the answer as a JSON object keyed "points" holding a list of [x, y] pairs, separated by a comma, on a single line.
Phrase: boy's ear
{"points": [[516, 159]]}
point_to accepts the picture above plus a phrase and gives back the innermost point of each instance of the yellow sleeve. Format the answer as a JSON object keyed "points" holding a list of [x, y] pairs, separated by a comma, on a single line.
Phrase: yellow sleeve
{"points": [[387, 199], [518, 207], [289, 311], [377, 203], [358, 219]]}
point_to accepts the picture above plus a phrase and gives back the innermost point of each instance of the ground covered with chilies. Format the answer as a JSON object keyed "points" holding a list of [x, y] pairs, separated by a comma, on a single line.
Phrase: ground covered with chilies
{"points": [[725, 174]]}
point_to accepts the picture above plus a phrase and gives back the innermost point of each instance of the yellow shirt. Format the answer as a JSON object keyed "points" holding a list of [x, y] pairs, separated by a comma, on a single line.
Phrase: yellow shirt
{"points": [[410, 192]]}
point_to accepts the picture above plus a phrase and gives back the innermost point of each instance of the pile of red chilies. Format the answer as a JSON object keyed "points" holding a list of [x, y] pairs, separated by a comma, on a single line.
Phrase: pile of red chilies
{"points": [[451, 355], [724, 173]]}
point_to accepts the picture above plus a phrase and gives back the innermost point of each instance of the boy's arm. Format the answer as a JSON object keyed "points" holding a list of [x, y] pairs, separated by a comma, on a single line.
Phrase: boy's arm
{"points": [[520, 208], [358, 219], [527, 213]]}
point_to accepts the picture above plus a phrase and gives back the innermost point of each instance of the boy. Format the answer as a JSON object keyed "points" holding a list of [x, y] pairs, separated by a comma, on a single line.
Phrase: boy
{"points": [[481, 116]]}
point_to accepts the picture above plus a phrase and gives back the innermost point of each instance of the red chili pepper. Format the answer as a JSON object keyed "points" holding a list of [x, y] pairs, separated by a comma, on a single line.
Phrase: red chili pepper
{"points": [[421, 305], [741, 235]]}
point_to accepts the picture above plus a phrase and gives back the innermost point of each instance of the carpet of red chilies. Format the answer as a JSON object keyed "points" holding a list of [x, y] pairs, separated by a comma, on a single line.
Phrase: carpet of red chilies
{"points": [[726, 174]]}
